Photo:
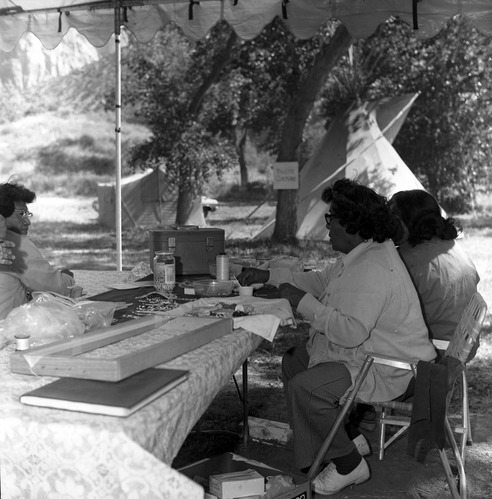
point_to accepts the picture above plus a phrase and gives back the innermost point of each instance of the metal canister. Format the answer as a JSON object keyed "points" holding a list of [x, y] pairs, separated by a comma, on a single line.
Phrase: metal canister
{"points": [[222, 262], [164, 271]]}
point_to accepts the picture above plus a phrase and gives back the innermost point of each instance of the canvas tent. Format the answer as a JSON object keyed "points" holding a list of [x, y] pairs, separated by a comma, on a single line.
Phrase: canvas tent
{"points": [[357, 145], [146, 200], [49, 20], [98, 20]]}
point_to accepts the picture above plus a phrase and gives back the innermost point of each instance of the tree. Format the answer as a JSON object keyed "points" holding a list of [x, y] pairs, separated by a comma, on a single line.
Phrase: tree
{"points": [[161, 81], [328, 55], [445, 139]]}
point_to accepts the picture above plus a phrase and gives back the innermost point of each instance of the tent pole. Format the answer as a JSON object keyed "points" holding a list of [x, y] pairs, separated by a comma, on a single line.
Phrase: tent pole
{"points": [[117, 52]]}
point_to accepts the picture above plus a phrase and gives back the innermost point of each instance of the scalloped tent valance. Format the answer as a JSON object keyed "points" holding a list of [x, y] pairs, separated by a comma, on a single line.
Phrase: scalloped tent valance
{"points": [[50, 20]]}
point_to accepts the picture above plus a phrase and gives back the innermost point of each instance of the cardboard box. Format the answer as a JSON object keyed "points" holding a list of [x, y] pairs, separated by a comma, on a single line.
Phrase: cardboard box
{"points": [[269, 431], [194, 248], [229, 462], [237, 484]]}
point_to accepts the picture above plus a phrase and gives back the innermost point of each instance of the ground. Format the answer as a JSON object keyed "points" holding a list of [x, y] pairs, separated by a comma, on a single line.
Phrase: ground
{"points": [[68, 233], [398, 475]]}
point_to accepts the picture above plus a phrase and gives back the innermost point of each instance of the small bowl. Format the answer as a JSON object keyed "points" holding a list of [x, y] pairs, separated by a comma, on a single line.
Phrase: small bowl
{"points": [[245, 290], [213, 288]]}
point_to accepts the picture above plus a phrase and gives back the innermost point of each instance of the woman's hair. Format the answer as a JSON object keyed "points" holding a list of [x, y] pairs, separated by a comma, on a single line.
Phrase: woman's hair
{"points": [[11, 193], [361, 210], [421, 213]]}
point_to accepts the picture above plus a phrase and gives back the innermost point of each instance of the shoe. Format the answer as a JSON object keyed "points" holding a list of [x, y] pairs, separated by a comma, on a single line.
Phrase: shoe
{"points": [[329, 481], [362, 445]]}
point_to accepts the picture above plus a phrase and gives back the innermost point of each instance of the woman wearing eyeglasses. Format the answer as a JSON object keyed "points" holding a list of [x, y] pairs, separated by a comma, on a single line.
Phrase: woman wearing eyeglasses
{"points": [[29, 271], [364, 302]]}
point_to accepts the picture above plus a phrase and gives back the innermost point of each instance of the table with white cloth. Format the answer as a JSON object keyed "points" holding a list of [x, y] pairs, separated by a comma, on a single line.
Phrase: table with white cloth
{"points": [[49, 453]]}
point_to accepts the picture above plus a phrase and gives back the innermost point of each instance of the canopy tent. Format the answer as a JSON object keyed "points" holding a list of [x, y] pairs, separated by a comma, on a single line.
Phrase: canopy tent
{"points": [[146, 200], [357, 145], [98, 20], [49, 20]]}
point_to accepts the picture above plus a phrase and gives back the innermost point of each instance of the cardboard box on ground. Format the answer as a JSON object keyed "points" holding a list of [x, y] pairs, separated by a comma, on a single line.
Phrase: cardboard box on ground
{"points": [[201, 472]]}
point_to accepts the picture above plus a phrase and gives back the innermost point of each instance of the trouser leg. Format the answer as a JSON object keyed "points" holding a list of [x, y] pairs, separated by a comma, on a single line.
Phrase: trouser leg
{"points": [[294, 361], [312, 401]]}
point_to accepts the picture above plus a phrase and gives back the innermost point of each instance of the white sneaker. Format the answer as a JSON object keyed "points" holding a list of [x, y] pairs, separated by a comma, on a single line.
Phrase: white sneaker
{"points": [[329, 481], [362, 445]]}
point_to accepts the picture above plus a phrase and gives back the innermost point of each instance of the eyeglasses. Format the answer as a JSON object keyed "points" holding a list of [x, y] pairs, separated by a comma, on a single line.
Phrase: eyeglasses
{"points": [[328, 218], [24, 213]]}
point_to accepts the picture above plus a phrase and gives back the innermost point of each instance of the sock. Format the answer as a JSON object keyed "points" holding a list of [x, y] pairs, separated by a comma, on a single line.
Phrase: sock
{"points": [[346, 464], [352, 431]]}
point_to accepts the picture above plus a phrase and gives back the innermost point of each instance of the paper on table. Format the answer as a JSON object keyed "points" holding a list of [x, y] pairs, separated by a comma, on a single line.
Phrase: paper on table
{"points": [[270, 313], [264, 325]]}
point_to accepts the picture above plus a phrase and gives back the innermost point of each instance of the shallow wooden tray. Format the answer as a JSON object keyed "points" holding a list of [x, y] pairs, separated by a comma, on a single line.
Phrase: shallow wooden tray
{"points": [[62, 358]]}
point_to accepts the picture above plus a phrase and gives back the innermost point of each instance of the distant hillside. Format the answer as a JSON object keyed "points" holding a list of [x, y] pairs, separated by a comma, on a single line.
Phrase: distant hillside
{"points": [[56, 132], [30, 64]]}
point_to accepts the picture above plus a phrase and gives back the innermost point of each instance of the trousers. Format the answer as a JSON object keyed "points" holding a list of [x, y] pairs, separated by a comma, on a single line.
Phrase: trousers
{"points": [[312, 396]]}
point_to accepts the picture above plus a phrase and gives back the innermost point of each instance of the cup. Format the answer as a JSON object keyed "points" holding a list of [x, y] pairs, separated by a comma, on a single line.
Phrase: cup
{"points": [[245, 290]]}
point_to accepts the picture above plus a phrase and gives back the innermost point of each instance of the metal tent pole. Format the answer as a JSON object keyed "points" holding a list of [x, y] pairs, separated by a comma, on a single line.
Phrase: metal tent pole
{"points": [[117, 32]]}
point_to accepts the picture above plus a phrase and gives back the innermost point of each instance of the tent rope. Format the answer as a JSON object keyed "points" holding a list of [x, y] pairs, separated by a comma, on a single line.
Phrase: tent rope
{"points": [[190, 8], [284, 9]]}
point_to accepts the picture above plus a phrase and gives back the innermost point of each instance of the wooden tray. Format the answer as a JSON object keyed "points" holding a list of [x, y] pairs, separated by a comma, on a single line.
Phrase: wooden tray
{"points": [[61, 358]]}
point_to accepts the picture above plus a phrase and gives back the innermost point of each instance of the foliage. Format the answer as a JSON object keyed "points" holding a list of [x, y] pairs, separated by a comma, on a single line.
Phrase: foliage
{"points": [[251, 192], [160, 81], [80, 183], [446, 137]]}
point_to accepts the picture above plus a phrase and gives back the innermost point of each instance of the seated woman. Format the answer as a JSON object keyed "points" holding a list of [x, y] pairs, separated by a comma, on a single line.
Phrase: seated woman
{"points": [[444, 276], [363, 302], [29, 270]]}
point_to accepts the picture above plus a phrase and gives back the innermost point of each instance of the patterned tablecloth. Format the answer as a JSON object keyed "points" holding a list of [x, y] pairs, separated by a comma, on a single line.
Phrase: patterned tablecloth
{"points": [[47, 453]]}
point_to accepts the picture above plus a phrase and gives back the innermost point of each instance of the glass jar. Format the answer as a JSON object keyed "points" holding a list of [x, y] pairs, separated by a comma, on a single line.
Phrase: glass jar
{"points": [[164, 271]]}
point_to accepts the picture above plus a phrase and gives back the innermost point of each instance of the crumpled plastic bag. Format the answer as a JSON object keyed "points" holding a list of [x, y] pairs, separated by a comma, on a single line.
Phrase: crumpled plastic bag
{"points": [[95, 314], [44, 319], [140, 270], [278, 484]]}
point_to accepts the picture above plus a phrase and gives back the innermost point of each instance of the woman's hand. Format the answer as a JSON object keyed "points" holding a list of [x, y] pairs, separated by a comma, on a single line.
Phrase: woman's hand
{"points": [[6, 254], [251, 275], [291, 293]]}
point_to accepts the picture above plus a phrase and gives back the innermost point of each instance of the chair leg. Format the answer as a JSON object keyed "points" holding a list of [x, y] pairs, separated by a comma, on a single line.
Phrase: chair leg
{"points": [[462, 494], [466, 410], [382, 433], [340, 419]]}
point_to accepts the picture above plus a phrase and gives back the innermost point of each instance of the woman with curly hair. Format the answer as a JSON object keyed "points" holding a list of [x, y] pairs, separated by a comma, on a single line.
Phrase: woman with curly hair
{"points": [[365, 301], [444, 276]]}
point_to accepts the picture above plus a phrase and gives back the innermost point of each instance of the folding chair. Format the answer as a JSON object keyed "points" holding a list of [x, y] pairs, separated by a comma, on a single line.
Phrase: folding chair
{"points": [[465, 337]]}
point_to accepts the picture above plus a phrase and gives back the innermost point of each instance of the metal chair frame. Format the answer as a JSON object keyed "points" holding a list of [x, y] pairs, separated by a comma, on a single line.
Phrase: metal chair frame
{"points": [[465, 337]]}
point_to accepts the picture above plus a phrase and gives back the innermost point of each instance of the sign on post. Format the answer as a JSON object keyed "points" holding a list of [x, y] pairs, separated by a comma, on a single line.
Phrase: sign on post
{"points": [[286, 175]]}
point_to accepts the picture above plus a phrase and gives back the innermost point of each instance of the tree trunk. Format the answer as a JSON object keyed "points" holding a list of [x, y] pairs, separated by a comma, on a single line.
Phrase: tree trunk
{"points": [[221, 60], [328, 56], [185, 199], [184, 204], [241, 135]]}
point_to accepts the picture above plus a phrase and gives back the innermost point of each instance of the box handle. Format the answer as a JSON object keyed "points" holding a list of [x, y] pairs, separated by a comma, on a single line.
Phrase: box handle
{"points": [[185, 227], [210, 243]]}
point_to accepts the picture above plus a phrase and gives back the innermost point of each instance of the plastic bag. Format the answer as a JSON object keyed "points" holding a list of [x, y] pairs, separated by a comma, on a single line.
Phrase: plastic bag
{"points": [[277, 485], [44, 319], [95, 314]]}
